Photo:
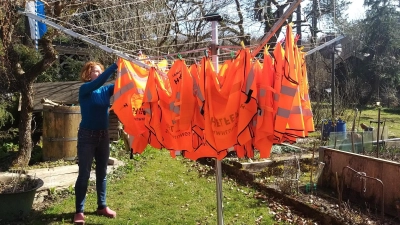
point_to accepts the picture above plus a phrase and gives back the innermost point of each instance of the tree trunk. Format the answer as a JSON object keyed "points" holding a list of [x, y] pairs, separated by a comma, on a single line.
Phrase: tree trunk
{"points": [[25, 137]]}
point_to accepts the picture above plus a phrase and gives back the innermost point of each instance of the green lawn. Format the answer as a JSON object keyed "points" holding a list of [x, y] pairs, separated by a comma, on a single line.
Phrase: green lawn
{"points": [[156, 189], [391, 116]]}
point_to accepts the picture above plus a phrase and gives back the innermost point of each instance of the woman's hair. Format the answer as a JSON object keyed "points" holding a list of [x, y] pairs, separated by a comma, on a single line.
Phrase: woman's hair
{"points": [[87, 68]]}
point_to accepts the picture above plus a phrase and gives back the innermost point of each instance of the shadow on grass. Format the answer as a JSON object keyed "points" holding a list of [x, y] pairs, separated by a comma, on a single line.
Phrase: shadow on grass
{"points": [[366, 118], [36, 217], [392, 110]]}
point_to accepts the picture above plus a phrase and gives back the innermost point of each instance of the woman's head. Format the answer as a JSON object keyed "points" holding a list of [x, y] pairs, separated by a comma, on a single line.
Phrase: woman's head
{"points": [[91, 70]]}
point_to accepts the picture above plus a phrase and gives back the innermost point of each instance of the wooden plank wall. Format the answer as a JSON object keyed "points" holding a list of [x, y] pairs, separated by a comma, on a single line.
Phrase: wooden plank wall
{"points": [[113, 128]]}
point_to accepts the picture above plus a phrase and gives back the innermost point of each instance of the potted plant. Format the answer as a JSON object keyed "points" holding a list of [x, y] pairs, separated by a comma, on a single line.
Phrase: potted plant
{"points": [[17, 192]]}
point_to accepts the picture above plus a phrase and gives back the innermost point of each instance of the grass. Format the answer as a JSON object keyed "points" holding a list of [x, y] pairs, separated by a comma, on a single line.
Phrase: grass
{"points": [[390, 115], [156, 189]]}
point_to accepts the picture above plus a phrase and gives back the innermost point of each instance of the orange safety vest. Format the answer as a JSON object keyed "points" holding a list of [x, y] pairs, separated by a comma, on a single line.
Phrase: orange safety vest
{"points": [[222, 72], [305, 98], [230, 108], [245, 150], [198, 118], [152, 109], [139, 143], [128, 94], [171, 119], [265, 118], [288, 89], [178, 108], [163, 65], [200, 147], [295, 126], [205, 150], [279, 59]]}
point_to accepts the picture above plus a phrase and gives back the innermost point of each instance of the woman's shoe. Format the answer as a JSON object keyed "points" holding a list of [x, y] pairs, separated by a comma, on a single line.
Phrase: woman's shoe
{"points": [[107, 212], [79, 218]]}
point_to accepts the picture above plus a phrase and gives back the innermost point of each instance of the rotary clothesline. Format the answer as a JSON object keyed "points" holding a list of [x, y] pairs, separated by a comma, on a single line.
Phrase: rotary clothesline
{"points": [[143, 64], [215, 56], [247, 105], [110, 30]]}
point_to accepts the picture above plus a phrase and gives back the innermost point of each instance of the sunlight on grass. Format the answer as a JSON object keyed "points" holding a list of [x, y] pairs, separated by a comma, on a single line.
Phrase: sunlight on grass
{"points": [[162, 190], [391, 116]]}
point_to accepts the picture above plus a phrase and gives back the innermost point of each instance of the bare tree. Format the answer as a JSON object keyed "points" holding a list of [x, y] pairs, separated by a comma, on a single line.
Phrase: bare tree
{"points": [[21, 64], [15, 77]]}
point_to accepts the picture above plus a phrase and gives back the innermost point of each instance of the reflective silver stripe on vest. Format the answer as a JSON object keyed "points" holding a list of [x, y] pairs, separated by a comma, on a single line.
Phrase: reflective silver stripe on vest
{"points": [[307, 112], [250, 79], [276, 97], [296, 110], [288, 91], [149, 96], [173, 108], [124, 71], [123, 90], [148, 111], [263, 92], [178, 95], [134, 75], [283, 113], [197, 90]]}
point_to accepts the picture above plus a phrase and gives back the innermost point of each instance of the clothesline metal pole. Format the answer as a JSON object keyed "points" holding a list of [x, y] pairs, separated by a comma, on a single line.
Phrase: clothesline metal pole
{"points": [[293, 6], [333, 41], [215, 18], [86, 39]]}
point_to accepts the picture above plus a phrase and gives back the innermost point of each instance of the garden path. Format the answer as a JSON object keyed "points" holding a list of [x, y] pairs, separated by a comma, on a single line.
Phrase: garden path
{"points": [[63, 177]]}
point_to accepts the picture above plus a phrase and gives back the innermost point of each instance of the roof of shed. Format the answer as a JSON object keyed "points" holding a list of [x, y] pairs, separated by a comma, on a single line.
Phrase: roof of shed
{"points": [[60, 92]]}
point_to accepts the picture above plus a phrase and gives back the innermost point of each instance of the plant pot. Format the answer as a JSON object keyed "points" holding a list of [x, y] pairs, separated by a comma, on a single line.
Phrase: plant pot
{"points": [[17, 205]]}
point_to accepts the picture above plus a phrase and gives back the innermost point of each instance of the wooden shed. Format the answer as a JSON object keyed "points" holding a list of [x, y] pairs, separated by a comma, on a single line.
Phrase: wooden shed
{"points": [[66, 93]]}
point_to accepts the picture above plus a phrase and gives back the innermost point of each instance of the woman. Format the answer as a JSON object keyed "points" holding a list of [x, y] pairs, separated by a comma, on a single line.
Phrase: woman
{"points": [[93, 140]]}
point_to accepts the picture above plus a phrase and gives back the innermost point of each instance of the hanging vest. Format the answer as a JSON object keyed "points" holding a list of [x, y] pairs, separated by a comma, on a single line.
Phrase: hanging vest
{"points": [[279, 59], [152, 109], [178, 108], [200, 146], [198, 117], [264, 121], [128, 94], [288, 89], [305, 98], [205, 151], [128, 97], [172, 112], [229, 109], [295, 124], [222, 71], [245, 150]]}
